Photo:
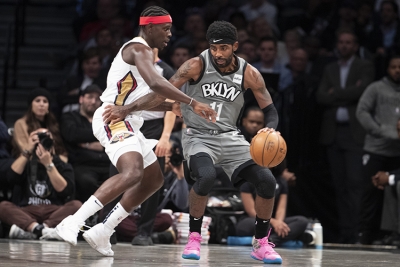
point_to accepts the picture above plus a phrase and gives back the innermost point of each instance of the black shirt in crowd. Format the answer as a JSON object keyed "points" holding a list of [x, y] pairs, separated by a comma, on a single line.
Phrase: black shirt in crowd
{"points": [[75, 130], [40, 191]]}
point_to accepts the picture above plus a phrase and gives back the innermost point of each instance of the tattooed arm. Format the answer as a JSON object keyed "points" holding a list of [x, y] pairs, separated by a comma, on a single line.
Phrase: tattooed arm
{"points": [[189, 71]]}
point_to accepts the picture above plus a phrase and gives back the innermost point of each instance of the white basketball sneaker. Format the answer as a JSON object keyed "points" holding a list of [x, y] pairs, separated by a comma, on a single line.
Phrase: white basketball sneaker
{"points": [[99, 240], [68, 229]]}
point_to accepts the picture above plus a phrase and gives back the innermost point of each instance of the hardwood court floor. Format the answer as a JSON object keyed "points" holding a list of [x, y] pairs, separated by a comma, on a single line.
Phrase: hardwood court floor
{"points": [[52, 253]]}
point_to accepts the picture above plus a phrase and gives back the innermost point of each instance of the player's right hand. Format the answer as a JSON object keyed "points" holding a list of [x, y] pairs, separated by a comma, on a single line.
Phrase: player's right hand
{"points": [[113, 114], [204, 111]]}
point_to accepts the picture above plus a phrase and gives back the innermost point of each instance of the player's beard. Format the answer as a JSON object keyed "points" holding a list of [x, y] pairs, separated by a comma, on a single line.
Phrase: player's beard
{"points": [[228, 61]]}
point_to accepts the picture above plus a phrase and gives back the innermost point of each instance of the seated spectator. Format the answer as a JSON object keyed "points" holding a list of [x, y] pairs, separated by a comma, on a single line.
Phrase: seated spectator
{"points": [[5, 158], [252, 122], [285, 230], [390, 183], [91, 73], [46, 189], [86, 154], [37, 116]]}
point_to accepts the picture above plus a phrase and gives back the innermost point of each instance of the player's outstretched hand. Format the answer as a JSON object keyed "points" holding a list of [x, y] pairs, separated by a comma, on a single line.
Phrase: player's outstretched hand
{"points": [[176, 109], [205, 111], [113, 114], [266, 129]]}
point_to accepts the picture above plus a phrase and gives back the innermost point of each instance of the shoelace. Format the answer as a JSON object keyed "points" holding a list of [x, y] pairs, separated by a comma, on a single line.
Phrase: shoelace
{"points": [[191, 242]]}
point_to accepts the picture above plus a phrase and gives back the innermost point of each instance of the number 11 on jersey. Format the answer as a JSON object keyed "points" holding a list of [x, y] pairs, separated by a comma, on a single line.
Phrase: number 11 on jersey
{"points": [[217, 108]]}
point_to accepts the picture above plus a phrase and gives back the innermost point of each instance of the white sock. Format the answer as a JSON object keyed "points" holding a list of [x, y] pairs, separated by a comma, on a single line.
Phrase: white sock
{"points": [[90, 207], [116, 215]]}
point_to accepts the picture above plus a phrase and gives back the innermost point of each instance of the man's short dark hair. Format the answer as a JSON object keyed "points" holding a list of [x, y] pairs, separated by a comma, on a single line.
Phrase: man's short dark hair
{"points": [[222, 30]]}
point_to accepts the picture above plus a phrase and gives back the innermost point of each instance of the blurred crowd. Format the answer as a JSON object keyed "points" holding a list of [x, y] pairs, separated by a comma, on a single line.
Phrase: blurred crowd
{"points": [[332, 68]]}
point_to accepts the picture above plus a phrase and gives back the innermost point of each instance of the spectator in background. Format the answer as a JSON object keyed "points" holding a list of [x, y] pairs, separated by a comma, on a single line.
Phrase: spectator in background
{"points": [[194, 30], [286, 231], [179, 54], [267, 51], [342, 85], [378, 111], [299, 116], [5, 158], [106, 48], [385, 36], [106, 10], [46, 190], [37, 116], [249, 48], [86, 154], [91, 74], [261, 9], [384, 39]]}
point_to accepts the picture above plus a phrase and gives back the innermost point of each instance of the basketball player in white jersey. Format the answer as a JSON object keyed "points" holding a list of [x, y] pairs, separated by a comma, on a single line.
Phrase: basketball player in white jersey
{"points": [[219, 77], [131, 76]]}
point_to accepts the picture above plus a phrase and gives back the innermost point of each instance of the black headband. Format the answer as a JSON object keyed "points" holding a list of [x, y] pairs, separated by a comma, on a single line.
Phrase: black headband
{"points": [[221, 41]]}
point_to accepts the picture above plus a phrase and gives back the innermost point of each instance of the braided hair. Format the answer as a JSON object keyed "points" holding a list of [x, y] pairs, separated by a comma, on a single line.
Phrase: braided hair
{"points": [[222, 29], [153, 11]]}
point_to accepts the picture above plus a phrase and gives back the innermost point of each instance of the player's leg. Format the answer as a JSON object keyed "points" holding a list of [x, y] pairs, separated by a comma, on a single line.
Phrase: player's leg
{"points": [[130, 165], [203, 171], [98, 237], [265, 184]]}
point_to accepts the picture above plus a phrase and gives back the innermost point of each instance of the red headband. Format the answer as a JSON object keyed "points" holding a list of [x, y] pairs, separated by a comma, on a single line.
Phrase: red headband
{"points": [[155, 20]]}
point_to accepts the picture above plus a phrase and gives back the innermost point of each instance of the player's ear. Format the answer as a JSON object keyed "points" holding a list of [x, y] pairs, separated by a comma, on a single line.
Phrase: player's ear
{"points": [[235, 46]]}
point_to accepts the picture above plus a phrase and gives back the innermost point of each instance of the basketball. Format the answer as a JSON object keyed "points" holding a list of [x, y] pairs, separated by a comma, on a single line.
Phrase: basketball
{"points": [[268, 149]]}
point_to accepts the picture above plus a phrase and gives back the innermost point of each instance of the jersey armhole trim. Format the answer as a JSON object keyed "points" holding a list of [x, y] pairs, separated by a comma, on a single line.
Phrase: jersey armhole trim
{"points": [[244, 71]]}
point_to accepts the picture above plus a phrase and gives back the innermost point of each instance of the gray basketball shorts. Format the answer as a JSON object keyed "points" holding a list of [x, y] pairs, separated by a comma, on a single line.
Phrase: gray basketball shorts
{"points": [[230, 150]]}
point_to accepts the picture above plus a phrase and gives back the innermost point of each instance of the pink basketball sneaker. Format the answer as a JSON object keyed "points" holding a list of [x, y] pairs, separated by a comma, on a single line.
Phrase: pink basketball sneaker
{"points": [[263, 251], [192, 248]]}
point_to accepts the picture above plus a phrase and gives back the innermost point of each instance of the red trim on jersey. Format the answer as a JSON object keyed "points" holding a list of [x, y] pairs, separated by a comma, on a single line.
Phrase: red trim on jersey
{"points": [[108, 131], [155, 20], [129, 126]]}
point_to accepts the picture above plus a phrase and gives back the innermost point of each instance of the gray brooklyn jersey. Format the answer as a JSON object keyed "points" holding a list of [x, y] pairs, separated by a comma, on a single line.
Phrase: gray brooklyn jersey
{"points": [[222, 91]]}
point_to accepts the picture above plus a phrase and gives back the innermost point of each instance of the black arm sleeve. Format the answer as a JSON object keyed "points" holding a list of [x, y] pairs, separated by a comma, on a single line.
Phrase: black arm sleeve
{"points": [[270, 116]]}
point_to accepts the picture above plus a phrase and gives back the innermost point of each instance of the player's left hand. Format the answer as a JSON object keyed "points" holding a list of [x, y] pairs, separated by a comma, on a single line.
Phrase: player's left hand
{"points": [[176, 109], [113, 114], [266, 130]]}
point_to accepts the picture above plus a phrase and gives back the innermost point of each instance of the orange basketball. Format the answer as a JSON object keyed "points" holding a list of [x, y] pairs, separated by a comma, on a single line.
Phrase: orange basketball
{"points": [[268, 149]]}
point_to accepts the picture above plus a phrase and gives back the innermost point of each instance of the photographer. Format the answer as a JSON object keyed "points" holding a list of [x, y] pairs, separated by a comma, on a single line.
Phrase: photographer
{"points": [[45, 185]]}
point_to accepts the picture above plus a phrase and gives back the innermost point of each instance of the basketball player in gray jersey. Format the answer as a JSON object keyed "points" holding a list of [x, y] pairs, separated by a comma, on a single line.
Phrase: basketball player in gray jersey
{"points": [[218, 77]]}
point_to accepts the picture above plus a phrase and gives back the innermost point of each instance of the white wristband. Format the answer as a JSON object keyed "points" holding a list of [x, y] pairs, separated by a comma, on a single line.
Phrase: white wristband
{"points": [[391, 179], [191, 100]]}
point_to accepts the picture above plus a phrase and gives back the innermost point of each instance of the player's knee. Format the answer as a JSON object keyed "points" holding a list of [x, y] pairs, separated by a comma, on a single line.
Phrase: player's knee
{"points": [[265, 184], [203, 170], [132, 176]]}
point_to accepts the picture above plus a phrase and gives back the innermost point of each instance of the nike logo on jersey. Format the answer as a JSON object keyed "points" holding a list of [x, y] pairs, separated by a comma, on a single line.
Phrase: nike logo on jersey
{"points": [[208, 72], [220, 89], [214, 41]]}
